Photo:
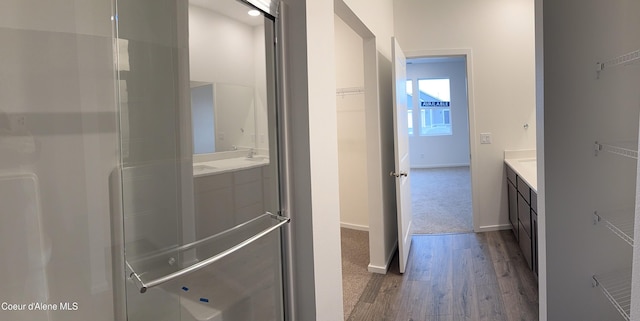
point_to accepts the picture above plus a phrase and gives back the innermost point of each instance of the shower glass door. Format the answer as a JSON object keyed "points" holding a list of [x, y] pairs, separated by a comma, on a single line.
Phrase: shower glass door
{"points": [[199, 160]]}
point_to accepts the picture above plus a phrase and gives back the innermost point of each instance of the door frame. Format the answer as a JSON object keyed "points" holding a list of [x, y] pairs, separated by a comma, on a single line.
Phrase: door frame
{"points": [[473, 152], [382, 217]]}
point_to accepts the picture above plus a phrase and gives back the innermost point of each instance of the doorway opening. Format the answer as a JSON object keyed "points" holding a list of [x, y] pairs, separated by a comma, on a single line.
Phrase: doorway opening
{"points": [[352, 160], [365, 134], [439, 144]]}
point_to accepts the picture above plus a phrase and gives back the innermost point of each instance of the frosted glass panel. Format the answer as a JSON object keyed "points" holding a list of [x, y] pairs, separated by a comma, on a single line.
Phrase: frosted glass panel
{"points": [[58, 149]]}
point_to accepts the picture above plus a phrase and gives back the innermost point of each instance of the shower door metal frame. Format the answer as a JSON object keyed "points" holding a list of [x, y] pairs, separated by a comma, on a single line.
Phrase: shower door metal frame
{"points": [[272, 10]]}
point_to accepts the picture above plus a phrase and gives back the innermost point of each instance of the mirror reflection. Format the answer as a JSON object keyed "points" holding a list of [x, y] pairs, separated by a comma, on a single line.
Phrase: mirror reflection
{"points": [[228, 81], [223, 117]]}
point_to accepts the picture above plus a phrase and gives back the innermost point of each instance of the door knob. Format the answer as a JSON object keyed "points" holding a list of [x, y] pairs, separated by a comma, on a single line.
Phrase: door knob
{"points": [[394, 174]]}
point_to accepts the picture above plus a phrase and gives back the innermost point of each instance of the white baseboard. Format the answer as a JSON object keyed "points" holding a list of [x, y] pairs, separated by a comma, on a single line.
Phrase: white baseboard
{"points": [[438, 166], [489, 228], [354, 226], [383, 269]]}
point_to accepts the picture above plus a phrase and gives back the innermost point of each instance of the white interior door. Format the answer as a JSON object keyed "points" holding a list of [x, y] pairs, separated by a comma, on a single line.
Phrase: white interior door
{"points": [[401, 139]]}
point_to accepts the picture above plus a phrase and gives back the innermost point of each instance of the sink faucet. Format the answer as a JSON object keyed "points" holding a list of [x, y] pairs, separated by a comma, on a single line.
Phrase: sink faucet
{"points": [[251, 153]]}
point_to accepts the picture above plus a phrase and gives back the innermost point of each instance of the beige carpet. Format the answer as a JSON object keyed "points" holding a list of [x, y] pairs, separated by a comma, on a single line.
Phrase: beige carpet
{"points": [[355, 259], [441, 200]]}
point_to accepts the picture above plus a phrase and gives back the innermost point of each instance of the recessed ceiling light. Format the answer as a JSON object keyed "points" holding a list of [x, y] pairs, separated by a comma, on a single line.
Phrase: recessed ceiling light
{"points": [[254, 13]]}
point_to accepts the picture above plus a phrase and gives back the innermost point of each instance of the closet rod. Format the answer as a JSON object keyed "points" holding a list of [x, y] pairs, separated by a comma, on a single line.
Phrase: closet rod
{"points": [[350, 91]]}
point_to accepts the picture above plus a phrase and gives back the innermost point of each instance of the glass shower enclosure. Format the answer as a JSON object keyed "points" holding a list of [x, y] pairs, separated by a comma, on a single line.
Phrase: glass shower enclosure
{"points": [[199, 160], [140, 161]]}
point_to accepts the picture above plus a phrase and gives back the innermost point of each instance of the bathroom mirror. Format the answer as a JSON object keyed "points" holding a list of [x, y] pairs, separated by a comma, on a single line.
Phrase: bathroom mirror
{"points": [[227, 61], [223, 117]]}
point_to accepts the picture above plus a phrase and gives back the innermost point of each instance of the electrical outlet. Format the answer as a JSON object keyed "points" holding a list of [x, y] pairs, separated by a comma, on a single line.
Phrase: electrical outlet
{"points": [[485, 138]]}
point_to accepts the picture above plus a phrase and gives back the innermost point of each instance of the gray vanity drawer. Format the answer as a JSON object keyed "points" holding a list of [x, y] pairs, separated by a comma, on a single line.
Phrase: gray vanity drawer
{"points": [[524, 189], [525, 246], [513, 207], [534, 201], [511, 175], [524, 215]]}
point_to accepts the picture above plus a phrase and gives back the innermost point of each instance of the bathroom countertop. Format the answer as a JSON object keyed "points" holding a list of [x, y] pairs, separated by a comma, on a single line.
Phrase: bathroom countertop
{"points": [[227, 165], [524, 163]]}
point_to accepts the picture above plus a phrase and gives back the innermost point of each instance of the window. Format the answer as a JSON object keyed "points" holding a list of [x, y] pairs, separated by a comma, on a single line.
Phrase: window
{"points": [[435, 107], [410, 106]]}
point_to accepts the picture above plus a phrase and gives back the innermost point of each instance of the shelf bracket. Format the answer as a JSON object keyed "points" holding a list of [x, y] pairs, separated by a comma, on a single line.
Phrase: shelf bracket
{"points": [[596, 218], [597, 148]]}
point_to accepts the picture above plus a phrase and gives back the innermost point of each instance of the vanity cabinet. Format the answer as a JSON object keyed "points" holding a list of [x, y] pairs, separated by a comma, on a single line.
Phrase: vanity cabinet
{"points": [[225, 200], [534, 230], [512, 193], [523, 216]]}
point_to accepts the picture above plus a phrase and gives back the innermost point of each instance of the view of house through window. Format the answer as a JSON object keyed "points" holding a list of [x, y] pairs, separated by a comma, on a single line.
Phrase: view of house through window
{"points": [[435, 107]]}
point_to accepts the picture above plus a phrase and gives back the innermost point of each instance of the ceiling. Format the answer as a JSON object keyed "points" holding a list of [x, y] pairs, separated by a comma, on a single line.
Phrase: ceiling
{"points": [[230, 8]]}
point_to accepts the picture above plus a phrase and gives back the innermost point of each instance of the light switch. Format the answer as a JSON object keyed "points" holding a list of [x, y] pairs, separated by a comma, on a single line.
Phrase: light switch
{"points": [[485, 138]]}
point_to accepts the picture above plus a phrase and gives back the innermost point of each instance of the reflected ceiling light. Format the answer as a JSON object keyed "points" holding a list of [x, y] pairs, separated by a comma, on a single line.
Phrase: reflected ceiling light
{"points": [[254, 13]]}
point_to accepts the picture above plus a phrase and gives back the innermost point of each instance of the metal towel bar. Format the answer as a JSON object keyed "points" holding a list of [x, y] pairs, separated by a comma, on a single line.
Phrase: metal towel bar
{"points": [[143, 286]]}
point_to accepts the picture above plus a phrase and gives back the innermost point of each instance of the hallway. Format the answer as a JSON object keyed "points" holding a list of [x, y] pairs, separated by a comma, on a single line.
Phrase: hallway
{"points": [[454, 277]]}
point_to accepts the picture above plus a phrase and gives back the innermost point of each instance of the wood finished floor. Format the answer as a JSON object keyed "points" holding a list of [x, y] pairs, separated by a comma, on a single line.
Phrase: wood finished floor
{"points": [[454, 277]]}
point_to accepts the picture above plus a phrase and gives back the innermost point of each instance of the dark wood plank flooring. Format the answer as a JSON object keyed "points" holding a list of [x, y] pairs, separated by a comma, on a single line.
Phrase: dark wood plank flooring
{"points": [[454, 277]]}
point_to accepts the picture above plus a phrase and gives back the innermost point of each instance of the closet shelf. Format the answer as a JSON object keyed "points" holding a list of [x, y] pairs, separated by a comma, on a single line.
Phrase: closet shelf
{"points": [[616, 286], [626, 149], [620, 222], [621, 60]]}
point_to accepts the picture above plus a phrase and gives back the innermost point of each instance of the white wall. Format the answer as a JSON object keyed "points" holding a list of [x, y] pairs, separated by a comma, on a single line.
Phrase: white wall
{"points": [[377, 15], [260, 84], [234, 107], [210, 62], [447, 150], [576, 36], [352, 153], [323, 144], [313, 195], [500, 34]]}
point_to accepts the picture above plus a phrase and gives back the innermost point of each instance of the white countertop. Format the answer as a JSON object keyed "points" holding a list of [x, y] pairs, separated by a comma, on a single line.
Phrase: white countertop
{"points": [[227, 165], [524, 163]]}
